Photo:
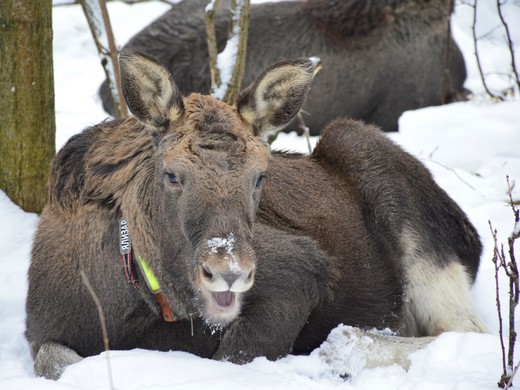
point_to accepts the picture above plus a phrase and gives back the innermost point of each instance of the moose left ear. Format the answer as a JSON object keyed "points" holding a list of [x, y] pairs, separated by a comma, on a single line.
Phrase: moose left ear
{"points": [[148, 89], [273, 100]]}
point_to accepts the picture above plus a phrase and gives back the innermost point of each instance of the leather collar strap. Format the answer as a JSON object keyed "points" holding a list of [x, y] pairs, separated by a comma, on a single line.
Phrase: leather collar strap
{"points": [[127, 257]]}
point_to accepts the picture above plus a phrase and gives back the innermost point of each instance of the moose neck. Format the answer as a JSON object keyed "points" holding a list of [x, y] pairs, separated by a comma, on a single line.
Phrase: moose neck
{"points": [[131, 264]]}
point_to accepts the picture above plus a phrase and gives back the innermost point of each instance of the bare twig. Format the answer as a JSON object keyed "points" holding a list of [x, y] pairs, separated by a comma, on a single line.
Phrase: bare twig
{"points": [[304, 129], [94, 296], [509, 43], [123, 110], [479, 65], [511, 270], [453, 171], [497, 262]]}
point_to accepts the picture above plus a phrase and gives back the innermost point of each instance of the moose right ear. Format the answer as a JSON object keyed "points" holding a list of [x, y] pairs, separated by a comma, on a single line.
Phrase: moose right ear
{"points": [[274, 99], [148, 89]]}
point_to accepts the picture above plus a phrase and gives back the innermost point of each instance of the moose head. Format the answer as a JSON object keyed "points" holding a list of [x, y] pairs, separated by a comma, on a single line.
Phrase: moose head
{"points": [[206, 175]]}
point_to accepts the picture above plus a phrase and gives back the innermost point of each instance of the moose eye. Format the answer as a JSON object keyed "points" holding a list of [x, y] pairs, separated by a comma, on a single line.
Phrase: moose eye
{"points": [[259, 181], [172, 179]]}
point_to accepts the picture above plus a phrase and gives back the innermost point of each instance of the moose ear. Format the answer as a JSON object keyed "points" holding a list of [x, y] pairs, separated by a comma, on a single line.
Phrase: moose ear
{"points": [[273, 100], [148, 88]]}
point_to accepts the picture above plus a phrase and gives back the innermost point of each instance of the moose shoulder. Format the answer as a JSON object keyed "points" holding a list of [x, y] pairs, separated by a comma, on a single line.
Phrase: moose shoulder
{"points": [[195, 237], [380, 58]]}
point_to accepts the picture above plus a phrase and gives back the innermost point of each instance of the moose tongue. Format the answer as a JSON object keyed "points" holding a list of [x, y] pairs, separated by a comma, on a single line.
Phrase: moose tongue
{"points": [[224, 298]]}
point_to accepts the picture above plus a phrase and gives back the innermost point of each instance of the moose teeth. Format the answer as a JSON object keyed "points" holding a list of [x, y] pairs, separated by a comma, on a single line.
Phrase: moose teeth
{"points": [[224, 298]]}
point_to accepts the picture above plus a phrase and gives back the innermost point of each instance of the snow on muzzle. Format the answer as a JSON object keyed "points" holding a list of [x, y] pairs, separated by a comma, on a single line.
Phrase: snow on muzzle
{"points": [[224, 274]]}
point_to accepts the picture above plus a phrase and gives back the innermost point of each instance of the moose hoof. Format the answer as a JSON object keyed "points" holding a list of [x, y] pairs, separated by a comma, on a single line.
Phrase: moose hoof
{"points": [[52, 358]]}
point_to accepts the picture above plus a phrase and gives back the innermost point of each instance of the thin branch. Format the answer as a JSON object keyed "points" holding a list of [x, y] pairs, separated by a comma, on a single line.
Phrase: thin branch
{"points": [[225, 85], [509, 43], [495, 259], [123, 110], [211, 12], [453, 171], [239, 27], [511, 270], [99, 23], [479, 65], [304, 129], [94, 296]]}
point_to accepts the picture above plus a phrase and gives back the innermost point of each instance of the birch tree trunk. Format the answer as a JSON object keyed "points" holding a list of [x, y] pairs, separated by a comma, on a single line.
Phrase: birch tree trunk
{"points": [[27, 125], [99, 22]]}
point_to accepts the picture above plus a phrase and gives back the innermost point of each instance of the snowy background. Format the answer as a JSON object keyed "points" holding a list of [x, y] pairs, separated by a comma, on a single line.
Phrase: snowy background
{"points": [[469, 147]]}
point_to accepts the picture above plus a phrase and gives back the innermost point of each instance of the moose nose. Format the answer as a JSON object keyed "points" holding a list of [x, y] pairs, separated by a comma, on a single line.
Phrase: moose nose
{"points": [[217, 277]]}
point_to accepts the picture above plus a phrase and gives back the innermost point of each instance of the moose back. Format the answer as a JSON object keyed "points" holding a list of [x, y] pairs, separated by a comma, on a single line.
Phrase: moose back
{"points": [[196, 237], [380, 58]]}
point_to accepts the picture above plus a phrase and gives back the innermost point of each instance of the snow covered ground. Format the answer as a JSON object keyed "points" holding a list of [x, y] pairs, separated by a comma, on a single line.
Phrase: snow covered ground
{"points": [[470, 147]]}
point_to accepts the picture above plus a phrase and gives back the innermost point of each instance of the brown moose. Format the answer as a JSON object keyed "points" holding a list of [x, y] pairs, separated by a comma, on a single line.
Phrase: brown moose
{"points": [[236, 251], [380, 58]]}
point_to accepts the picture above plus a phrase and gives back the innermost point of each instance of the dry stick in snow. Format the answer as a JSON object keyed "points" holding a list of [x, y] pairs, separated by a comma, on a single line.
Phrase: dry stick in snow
{"points": [[102, 321], [99, 22], [497, 263], [511, 270]]}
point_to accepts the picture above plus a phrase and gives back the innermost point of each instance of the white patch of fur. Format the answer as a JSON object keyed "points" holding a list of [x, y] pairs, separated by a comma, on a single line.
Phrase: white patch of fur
{"points": [[215, 314], [438, 297]]}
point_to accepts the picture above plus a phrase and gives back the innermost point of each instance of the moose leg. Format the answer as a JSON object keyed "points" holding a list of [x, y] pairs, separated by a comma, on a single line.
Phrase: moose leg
{"points": [[52, 358], [439, 298], [424, 232], [267, 329], [292, 280], [347, 350]]}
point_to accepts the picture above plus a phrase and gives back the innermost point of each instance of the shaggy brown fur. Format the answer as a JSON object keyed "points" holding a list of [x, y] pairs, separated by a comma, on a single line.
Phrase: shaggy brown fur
{"points": [[272, 250]]}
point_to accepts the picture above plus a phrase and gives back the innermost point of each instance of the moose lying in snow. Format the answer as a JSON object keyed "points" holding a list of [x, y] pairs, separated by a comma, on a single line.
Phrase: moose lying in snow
{"points": [[380, 58], [213, 231]]}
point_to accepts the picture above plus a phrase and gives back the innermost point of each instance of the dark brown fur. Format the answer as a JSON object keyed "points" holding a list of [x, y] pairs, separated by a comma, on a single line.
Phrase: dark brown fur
{"points": [[380, 58], [345, 235]]}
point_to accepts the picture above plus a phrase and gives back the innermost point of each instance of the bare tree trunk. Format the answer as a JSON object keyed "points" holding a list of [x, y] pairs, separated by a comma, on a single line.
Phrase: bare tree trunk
{"points": [[27, 128]]}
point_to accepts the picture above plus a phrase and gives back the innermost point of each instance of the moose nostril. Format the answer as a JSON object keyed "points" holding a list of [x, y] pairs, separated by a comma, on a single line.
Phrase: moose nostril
{"points": [[206, 273], [251, 275]]}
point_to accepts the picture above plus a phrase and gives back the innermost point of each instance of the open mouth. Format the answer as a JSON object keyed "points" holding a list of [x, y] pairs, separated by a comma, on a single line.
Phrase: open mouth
{"points": [[224, 299]]}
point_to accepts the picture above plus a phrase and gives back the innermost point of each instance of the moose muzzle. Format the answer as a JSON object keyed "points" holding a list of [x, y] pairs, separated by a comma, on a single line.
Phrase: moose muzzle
{"points": [[224, 274]]}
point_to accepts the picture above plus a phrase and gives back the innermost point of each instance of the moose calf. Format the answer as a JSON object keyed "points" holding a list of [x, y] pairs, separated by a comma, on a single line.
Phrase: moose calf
{"points": [[196, 237]]}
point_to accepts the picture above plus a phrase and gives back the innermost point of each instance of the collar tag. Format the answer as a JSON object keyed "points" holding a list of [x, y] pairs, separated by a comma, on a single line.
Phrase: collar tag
{"points": [[125, 248], [125, 245], [149, 276]]}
